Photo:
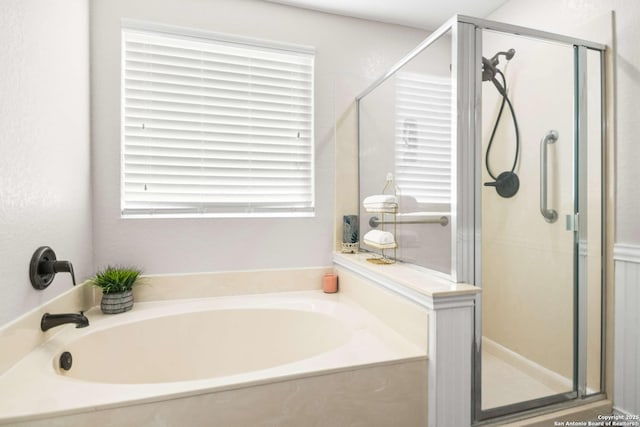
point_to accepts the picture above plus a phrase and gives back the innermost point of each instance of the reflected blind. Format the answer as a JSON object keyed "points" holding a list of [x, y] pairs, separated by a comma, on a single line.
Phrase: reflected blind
{"points": [[423, 137], [219, 127]]}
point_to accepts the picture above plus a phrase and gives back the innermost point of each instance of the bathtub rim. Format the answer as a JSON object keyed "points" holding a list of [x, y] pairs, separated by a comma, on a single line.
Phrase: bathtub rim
{"points": [[199, 387], [20, 336]]}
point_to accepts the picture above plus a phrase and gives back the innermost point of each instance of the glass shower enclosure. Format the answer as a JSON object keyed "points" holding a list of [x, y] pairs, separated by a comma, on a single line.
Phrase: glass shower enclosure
{"points": [[494, 136]]}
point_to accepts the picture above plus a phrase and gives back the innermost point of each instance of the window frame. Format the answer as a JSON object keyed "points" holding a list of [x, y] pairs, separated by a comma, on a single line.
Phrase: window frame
{"points": [[218, 210]]}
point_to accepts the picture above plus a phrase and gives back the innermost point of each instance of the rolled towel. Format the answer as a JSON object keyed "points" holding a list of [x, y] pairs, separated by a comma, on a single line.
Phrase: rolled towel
{"points": [[379, 238], [380, 199]]}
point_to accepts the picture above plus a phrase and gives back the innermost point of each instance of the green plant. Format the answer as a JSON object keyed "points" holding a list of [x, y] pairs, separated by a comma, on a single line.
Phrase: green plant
{"points": [[117, 279]]}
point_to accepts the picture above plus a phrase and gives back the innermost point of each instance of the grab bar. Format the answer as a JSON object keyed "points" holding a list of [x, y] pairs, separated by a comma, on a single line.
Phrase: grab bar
{"points": [[374, 221], [550, 215]]}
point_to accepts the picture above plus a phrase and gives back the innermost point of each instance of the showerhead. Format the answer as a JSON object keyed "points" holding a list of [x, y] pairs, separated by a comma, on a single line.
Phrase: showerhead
{"points": [[508, 55], [489, 65]]}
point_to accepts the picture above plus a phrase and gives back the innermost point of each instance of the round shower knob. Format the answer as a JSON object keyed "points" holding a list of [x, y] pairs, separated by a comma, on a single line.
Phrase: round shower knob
{"points": [[41, 279], [507, 184]]}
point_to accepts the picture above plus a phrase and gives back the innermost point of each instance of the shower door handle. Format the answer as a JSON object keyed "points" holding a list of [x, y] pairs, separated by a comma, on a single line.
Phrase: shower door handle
{"points": [[549, 215]]}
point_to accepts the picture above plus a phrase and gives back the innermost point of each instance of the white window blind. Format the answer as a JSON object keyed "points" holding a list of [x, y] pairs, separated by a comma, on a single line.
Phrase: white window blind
{"points": [[215, 127], [423, 137]]}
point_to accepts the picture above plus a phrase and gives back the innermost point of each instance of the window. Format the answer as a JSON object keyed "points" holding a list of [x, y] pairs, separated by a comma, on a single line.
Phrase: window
{"points": [[215, 125], [423, 137]]}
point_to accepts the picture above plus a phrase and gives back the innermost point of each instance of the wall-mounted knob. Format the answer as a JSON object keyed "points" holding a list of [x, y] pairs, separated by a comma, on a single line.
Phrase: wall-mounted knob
{"points": [[44, 266]]}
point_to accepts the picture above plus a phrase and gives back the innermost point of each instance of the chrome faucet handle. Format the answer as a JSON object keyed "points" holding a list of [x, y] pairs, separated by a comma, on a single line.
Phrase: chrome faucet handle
{"points": [[44, 266]]}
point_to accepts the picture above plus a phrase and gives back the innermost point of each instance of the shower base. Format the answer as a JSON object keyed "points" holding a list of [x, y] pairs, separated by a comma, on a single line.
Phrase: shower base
{"points": [[508, 377]]}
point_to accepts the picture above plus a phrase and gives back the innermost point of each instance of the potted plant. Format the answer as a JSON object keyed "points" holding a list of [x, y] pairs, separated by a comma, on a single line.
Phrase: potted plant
{"points": [[116, 284]]}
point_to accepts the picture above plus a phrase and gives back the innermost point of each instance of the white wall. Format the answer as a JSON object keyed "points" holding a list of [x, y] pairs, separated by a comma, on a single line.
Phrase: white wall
{"points": [[44, 145], [345, 47]]}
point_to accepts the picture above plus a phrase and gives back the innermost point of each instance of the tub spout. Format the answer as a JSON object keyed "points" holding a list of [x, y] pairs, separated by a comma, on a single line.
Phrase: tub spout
{"points": [[52, 320]]}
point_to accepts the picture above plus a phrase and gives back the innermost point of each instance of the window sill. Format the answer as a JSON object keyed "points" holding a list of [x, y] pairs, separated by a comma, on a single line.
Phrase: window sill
{"points": [[217, 215]]}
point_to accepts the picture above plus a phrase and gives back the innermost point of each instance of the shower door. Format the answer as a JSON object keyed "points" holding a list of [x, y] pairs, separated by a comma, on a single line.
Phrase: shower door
{"points": [[532, 272]]}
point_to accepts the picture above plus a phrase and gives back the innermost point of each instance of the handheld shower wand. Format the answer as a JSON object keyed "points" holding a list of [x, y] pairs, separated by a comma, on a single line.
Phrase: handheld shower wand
{"points": [[506, 183]]}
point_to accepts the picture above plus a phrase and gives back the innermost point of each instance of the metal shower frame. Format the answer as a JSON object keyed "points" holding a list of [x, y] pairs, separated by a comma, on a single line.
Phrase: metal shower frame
{"points": [[466, 256]]}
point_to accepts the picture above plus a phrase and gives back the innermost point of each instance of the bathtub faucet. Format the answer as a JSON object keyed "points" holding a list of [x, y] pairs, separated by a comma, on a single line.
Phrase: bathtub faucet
{"points": [[52, 320]]}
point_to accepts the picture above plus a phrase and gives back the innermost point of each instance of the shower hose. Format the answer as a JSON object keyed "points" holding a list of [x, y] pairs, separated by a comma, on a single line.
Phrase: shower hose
{"points": [[502, 89]]}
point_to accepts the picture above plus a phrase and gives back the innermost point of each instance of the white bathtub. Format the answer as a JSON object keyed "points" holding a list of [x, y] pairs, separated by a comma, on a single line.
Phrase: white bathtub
{"points": [[229, 357]]}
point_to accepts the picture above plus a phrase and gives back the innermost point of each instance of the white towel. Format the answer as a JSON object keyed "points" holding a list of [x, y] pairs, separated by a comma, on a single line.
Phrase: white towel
{"points": [[379, 237], [380, 198], [381, 207], [385, 203]]}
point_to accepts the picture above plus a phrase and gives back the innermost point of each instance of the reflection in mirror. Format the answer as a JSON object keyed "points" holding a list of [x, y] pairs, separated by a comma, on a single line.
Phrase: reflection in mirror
{"points": [[405, 129]]}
